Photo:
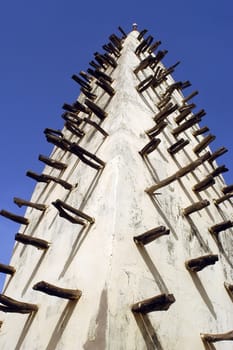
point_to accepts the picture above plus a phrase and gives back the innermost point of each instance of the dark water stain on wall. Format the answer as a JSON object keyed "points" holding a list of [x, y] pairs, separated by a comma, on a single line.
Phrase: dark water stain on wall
{"points": [[99, 341]]}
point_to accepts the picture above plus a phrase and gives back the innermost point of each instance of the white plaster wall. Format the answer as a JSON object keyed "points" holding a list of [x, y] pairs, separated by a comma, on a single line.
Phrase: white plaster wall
{"points": [[103, 260]]}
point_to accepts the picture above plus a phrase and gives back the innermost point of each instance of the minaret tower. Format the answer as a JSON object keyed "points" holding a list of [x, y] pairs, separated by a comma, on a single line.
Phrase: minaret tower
{"points": [[126, 242]]}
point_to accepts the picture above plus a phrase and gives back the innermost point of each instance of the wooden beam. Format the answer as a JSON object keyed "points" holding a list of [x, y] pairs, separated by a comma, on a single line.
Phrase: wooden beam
{"points": [[151, 235], [48, 178], [53, 163], [9, 270], [160, 302], [19, 219], [105, 86], [150, 147], [218, 201], [204, 184], [12, 305], [222, 226], [47, 288], [177, 146], [84, 156], [213, 338], [21, 202], [217, 154], [204, 143], [36, 242], [200, 131], [100, 113], [201, 262], [62, 207], [195, 207]]}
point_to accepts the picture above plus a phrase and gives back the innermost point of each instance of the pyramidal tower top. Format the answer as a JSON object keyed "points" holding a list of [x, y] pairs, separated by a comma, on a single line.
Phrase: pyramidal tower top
{"points": [[126, 242]]}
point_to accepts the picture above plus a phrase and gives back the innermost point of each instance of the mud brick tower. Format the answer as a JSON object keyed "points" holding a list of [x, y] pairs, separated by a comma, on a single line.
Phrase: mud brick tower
{"points": [[127, 240]]}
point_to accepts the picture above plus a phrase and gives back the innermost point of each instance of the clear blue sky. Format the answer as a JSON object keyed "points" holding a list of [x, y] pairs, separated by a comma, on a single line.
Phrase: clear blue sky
{"points": [[44, 42]]}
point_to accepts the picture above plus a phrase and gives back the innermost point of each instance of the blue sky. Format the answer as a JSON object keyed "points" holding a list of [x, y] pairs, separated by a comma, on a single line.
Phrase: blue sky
{"points": [[44, 42]]}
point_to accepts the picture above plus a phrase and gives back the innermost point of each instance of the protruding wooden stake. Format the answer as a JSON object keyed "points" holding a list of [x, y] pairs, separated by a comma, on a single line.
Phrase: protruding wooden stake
{"points": [[186, 125], [144, 84], [96, 126], [81, 82], [12, 305], [86, 76], [219, 170], [176, 147], [185, 107], [105, 86], [213, 338], [88, 94], [150, 147], [189, 97], [222, 226], [156, 129], [180, 173], [227, 189], [116, 41], [165, 182], [200, 131], [75, 108], [217, 154], [144, 64], [160, 302], [53, 163], [178, 119], [204, 184], [83, 155], [60, 142], [159, 56], [13, 217], [101, 114], [154, 46], [195, 207], [48, 178], [204, 143], [229, 289], [36, 242], [170, 108], [21, 202], [200, 263], [71, 117], [151, 235], [177, 86], [99, 74], [124, 35], [62, 207], [74, 129], [9, 270], [111, 49], [218, 201], [71, 294], [141, 34]]}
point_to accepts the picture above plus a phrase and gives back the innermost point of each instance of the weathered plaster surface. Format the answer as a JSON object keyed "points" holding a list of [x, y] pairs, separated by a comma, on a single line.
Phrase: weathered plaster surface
{"points": [[102, 260]]}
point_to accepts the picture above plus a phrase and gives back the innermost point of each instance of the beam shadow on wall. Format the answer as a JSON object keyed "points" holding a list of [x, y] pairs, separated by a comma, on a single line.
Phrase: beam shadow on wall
{"points": [[75, 247], [222, 250], [155, 273], [61, 324], [198, 284], [148, 332], [33, 274], [209, 346], [25, 330], [163, 216], [197, 234]]}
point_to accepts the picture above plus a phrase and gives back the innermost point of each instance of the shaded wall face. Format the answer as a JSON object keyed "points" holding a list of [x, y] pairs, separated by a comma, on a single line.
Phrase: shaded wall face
{"points": [[101, 259]]}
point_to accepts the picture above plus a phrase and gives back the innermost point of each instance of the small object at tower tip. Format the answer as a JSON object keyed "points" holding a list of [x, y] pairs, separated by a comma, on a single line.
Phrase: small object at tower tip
{"points": [[135, 26]]}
